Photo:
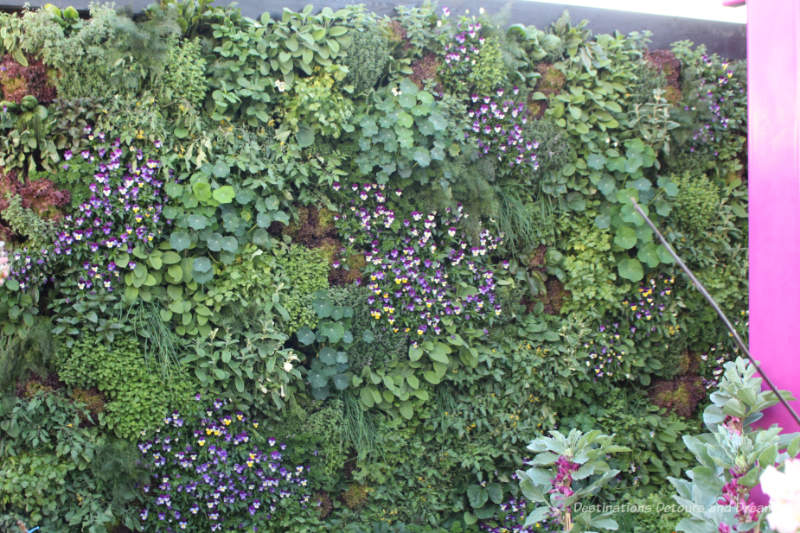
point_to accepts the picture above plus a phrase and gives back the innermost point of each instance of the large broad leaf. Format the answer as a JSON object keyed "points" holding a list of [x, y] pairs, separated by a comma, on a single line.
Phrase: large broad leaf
{"points": [[625, 237], [341, 381], [305, 336], [495, 492], [224, 194], [477, 496], [180, 240], [327, 355], [305, 136], [630, 269]]}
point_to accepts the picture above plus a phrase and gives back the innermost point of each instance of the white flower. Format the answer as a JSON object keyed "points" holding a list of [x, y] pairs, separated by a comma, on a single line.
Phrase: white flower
{"points": [[287, 366], [783, 489], [281, 85], [395, 91]]}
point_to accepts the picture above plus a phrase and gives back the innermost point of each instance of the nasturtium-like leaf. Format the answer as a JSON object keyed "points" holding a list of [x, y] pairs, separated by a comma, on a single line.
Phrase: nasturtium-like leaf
{"points": [[603, 221], [322, 307], [197, 221], [230, 244], [422, 156], [576, 201], [664, 255], [214, 242], [341, 381], [220, 169], [224, 194], [317, 379], [305, 336], [595, 161], [327, 355], [201, 264], [625, 237], [630, 269], [180, 240], [648, 254], [438, 121]]}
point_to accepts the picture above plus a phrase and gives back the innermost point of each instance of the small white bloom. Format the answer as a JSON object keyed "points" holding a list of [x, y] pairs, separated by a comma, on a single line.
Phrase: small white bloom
{"points": [[783, 489], [396, 91]]}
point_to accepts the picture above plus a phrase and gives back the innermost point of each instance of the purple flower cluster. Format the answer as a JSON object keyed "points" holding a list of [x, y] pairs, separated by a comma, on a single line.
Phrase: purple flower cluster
{"points": [[462, 52], [737, 496], [422, 272], [497, 127], [606, 353], [717, 91], [650, 300], [123, 209], [213, 478]]}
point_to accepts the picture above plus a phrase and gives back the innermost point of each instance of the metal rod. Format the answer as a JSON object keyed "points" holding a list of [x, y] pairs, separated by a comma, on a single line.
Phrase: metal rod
{"points": [[716, 307]]}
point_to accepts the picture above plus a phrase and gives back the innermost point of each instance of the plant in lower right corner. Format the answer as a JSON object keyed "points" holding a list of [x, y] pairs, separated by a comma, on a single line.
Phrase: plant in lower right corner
{"points": [[563, 477], [732, 456]]}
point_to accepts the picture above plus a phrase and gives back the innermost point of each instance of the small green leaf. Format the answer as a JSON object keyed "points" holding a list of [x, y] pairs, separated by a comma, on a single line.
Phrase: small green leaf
{"points": [[224, 194]]}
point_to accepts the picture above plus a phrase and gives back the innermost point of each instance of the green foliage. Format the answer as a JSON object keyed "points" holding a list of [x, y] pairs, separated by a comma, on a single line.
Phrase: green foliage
{"points": [[313, 107], [138, 398], [183, 80], [269, 56], [575, 319], [25, 137], [697, 202], [26, 351], [367, 57], [329, 370], [406, 133], [103, 55], [58, 474], [38, 232], [305, 272]]}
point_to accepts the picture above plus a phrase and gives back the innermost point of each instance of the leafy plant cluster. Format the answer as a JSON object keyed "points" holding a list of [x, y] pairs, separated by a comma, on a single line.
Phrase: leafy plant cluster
{"points": [[402, 246]]}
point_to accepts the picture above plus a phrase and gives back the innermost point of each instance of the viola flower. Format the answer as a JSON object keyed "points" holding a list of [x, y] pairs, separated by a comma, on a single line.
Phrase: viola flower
{"points": [[220, 483], [413, 269], [112, 207]]}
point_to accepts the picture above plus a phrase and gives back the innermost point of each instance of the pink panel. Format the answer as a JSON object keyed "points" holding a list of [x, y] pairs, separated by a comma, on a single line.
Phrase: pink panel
{"points": [[773, 62]]}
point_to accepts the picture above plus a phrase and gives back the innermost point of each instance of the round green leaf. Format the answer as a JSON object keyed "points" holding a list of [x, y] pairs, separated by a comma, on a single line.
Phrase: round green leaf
{"points": [[180, 240], [224, 194], [630, 269], [305, 336], [625, 237]]}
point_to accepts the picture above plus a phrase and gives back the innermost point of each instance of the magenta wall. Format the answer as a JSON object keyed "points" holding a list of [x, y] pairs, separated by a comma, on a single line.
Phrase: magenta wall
{"points": [[773, 62]]}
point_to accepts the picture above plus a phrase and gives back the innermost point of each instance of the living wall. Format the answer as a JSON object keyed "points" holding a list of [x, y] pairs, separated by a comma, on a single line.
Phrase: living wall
{"points": [[332, 272]]}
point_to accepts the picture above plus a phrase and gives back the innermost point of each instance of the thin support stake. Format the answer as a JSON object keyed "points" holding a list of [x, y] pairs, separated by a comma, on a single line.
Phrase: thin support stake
{"points": [[716, 307]]}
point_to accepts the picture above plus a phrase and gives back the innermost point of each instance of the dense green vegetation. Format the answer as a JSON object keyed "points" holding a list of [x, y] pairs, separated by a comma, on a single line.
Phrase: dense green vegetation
{"points": [[334, 272]]}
